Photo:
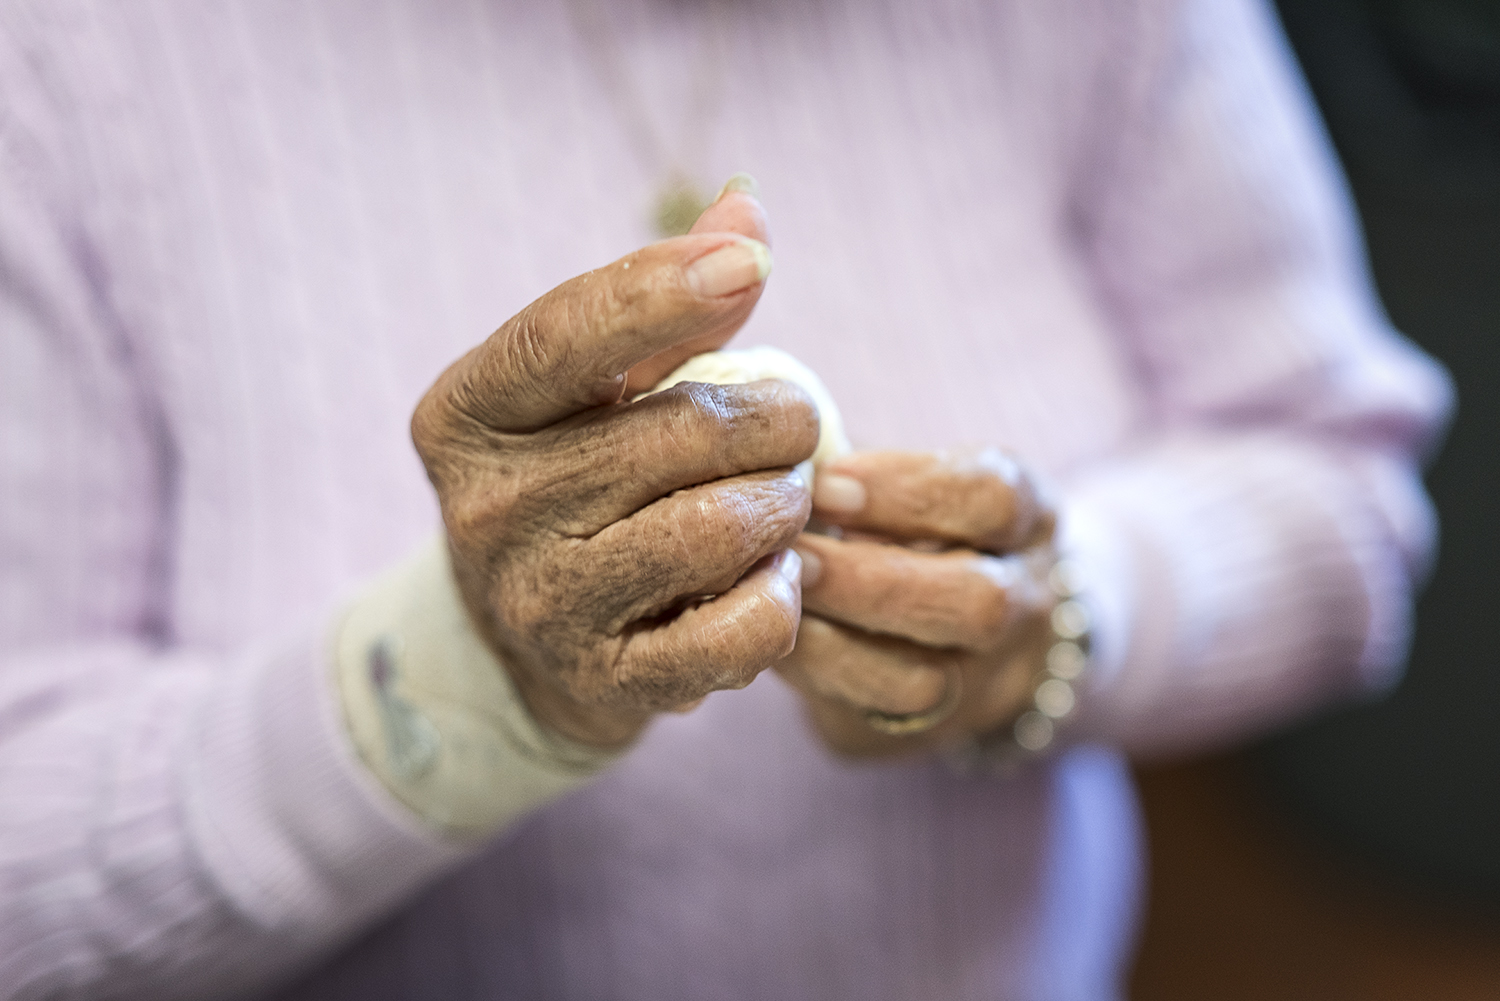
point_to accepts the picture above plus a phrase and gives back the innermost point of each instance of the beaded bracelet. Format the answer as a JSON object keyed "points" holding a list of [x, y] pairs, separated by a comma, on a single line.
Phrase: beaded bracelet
{"points": [[1055, 697]]}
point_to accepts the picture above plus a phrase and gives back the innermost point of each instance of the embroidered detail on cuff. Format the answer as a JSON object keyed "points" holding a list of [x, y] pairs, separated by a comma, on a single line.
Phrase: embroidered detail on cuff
{"points": [[433, 713]]}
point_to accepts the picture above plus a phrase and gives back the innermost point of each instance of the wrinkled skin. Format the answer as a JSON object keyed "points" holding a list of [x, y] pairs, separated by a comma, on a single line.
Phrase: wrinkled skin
{"points": [[941, 572], [623, 558], [626, 558]]}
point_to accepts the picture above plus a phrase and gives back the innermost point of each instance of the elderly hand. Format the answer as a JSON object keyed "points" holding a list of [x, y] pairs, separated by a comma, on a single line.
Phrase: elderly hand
{"points": [[935, 598], [623, 558]]}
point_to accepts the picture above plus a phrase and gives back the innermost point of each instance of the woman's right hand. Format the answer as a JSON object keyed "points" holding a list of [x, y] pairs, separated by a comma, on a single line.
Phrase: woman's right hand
{"points": [[623, 558]]}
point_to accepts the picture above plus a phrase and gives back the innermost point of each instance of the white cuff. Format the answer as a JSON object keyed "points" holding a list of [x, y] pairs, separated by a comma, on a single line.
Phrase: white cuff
{"points": [[433, 713]]}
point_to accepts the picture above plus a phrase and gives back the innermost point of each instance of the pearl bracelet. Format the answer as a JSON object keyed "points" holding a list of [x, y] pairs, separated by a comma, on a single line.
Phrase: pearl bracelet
{"points": [[1053, 699]]}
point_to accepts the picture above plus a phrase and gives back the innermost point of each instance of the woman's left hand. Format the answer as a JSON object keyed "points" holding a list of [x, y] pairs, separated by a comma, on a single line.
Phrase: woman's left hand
{"points": [[930, 614]]}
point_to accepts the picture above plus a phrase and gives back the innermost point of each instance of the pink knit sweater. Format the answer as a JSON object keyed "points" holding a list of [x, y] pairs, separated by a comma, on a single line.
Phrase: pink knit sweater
{"points": [[239, 239]]}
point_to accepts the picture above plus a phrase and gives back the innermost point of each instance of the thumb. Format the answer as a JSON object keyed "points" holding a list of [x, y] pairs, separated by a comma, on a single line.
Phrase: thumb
{"points": [[571, 349], [737, 209]]}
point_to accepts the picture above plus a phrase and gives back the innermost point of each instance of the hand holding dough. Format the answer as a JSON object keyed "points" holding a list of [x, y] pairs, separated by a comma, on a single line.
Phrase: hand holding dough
{"points": [[753, 364]]}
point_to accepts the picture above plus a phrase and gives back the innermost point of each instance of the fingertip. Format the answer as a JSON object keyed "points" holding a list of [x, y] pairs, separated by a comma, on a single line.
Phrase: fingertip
{"points": [[739, 182], [836, 493], [753, 624], [736, 209], [812, 567]]}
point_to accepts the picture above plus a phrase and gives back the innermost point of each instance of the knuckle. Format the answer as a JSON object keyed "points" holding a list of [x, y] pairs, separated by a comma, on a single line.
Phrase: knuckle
{"points": [[729, 522], [536, 362], [439, 430], [773, 411], [711, 402], [783, 512], [697, 410], [428, 425], [747, 518], [481, 513], [984, 496], [892, 586]]}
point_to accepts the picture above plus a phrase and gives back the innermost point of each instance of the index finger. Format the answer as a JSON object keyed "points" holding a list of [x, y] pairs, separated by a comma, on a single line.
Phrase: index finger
{"points": [[982, 498]]}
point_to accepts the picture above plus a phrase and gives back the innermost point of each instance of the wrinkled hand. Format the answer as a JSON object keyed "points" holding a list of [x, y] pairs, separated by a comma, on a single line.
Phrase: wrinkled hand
{"points": [[939, 578], [625, 557]]}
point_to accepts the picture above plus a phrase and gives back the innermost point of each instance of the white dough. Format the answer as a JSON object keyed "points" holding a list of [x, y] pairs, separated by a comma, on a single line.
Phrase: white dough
{"points": [[751, 364]]}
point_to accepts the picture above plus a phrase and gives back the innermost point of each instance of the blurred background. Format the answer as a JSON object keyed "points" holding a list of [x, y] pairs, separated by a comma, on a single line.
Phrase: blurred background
{"points": [[1358, 855]]}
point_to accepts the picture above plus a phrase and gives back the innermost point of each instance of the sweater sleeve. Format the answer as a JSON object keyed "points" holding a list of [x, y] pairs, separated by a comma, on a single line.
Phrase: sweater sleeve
{"points": [[1256, 549], [178, 821]]}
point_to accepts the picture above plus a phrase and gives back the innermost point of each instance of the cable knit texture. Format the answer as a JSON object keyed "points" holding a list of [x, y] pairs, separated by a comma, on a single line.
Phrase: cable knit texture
{"points": [[239, 239]]}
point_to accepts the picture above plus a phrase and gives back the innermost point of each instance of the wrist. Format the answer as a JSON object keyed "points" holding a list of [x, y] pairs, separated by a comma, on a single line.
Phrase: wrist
{"points": [[433, 712], [1050, 695], [604, 728]]}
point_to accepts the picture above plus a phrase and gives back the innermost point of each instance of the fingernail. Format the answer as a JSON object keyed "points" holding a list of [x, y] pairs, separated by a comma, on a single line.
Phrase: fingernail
{"points": [[812, 567], [731, 268], [841, 494], [741, 182]]}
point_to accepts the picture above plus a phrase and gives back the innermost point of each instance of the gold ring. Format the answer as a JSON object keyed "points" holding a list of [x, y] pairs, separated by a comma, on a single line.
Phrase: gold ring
{"points": [[910, 724]]}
